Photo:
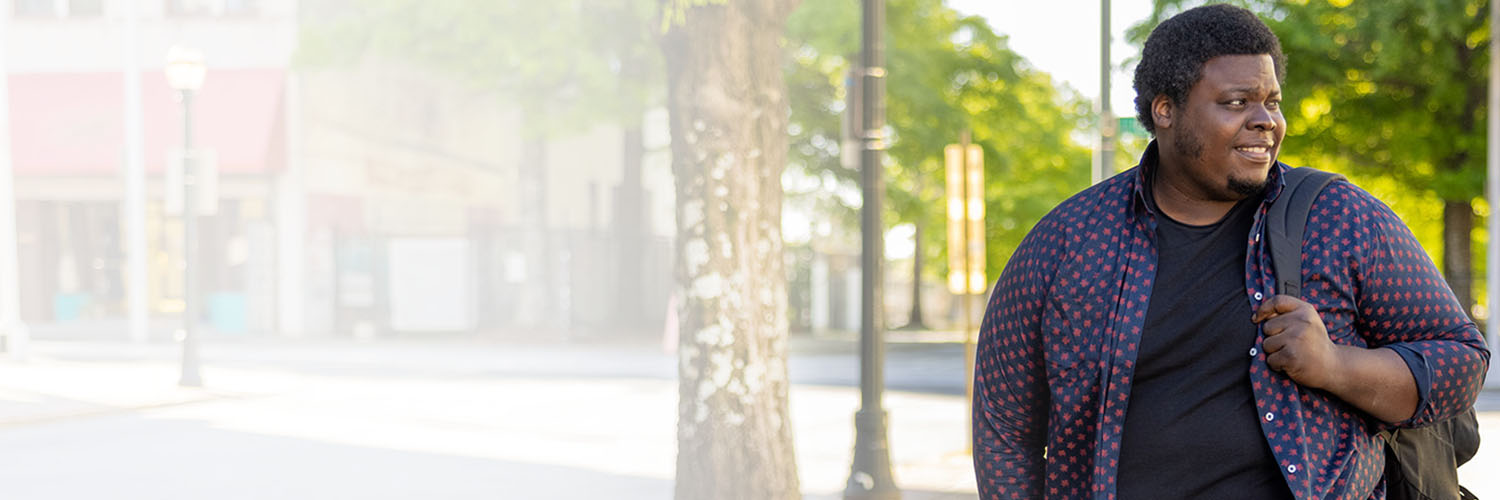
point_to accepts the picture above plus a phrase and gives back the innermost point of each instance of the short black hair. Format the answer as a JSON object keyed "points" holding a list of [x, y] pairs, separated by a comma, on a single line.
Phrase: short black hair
{"points": [[1172, 61]]}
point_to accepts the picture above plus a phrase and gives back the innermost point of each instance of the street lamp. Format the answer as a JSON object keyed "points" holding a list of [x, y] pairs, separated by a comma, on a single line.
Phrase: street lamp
{"points": [[185, 72], [870, 475]]}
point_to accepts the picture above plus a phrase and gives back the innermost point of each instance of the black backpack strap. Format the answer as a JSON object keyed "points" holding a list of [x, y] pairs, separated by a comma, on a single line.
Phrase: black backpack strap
{"points": [[1421, 463], [1286, 224]]}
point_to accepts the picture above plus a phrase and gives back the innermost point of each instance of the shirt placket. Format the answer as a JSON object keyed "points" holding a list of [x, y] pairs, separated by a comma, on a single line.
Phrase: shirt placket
{"points": [[1125, 332], [1276, 397]]}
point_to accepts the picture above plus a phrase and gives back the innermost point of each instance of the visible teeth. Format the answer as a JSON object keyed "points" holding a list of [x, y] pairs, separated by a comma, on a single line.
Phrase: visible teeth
{"points": [[1254, 149]]}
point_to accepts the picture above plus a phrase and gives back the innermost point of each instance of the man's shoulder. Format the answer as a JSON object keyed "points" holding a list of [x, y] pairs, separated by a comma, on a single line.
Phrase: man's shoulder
{"points": [[1344, 204], [1112, 196], [1343, 197]]}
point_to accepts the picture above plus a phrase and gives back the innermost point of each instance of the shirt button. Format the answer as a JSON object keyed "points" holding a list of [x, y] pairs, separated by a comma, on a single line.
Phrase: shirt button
{"points": [[1257, 237], [1253, 351], [1292, 469], [1270, 416], [1258, 296]]}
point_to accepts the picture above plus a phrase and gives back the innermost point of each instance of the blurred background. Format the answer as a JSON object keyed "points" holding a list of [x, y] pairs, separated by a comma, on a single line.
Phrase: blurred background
{"points": [[405, 248]]}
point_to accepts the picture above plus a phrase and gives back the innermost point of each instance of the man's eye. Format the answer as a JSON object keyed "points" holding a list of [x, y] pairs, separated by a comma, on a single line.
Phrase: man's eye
{"points": [[1273, 104], [1237, 102]]}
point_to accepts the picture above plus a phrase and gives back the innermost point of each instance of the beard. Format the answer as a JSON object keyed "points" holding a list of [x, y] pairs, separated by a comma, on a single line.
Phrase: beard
{"points": [[1191, 146], [1246, 188]]}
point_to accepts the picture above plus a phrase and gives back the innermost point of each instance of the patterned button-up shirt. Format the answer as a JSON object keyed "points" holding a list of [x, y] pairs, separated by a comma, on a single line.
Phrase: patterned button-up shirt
{"points": [[1058, 344]]}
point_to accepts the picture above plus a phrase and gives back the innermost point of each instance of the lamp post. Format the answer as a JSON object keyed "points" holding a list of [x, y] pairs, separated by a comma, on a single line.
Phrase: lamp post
{"points": [[870, 475], [1104, 163], [185, 72]]}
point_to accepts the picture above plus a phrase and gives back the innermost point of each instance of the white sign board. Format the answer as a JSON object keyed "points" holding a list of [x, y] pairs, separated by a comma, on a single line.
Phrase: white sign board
{"points": [[205, 183], [429, 284]]}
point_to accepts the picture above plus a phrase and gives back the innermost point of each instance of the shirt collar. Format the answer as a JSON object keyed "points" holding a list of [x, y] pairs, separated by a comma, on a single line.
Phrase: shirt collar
{"points": [[1146, 170]]}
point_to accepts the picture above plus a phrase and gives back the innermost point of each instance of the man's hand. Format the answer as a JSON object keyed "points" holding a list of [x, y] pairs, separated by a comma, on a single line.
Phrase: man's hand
{"points": [[1297, 343]]}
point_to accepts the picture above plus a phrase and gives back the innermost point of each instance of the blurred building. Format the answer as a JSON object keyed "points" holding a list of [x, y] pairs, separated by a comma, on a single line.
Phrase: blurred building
{"points": [[417, 221], [64, 59], [370, 199]]}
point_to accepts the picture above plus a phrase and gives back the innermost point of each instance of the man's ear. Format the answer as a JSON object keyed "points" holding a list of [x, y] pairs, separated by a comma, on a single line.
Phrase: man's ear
{"points": [[1162, 111]]}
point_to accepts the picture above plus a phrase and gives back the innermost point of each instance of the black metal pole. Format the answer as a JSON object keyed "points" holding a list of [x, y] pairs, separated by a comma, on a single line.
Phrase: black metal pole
{"points": [[870, 474], [190, 362]]}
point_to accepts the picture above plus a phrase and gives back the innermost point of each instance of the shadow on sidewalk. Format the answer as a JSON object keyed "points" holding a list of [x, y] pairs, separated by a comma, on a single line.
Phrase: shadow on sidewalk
{"points": [[128, 457]]}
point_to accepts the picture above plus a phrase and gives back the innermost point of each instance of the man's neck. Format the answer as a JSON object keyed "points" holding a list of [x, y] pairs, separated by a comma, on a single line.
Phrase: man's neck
{"points": [[1178, 199]]}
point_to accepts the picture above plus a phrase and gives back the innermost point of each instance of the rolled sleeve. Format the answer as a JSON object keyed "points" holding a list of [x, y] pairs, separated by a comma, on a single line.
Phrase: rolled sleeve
{"points": [[1405, 304], [1419, 371]]}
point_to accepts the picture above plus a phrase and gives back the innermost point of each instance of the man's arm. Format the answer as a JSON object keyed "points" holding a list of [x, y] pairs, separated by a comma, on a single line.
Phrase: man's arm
{"points": [[1010, 377], [1428, 360], [1405, 305]]}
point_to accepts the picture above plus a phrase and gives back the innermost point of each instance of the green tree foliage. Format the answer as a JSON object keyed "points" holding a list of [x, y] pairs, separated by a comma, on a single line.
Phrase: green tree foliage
{"points": [[566, 62], [1392, 94], [947, 73]]}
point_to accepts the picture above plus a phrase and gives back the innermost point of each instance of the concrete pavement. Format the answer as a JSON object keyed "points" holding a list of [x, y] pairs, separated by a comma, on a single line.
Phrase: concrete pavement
{"points": [[396, 419], [408, 420]]}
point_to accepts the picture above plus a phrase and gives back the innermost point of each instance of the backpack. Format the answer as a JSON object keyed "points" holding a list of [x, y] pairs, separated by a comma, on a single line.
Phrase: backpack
{"points": [[1422, 463]]}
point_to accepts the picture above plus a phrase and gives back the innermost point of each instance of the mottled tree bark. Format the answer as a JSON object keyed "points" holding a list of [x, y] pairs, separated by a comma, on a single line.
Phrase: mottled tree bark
{"points": [[729, 113]]}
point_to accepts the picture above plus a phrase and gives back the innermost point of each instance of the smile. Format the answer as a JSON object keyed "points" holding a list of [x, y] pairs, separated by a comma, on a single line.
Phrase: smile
{"points": [[1255, 154]]}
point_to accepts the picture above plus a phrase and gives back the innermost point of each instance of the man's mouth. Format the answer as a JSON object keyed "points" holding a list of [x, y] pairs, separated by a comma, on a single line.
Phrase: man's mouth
{"points": [[1258, 154]]}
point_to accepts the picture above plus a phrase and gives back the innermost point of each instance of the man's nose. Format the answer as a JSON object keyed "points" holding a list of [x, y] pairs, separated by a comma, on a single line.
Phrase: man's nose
{"points": [[1262, 119]]}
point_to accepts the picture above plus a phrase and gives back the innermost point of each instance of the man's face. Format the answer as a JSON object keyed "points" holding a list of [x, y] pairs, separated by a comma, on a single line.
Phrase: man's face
{"points": [[1226, 136]]}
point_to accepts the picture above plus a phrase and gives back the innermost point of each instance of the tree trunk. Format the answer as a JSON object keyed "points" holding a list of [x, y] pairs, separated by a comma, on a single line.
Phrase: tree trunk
{"points": [[1458, 259], [538, 306], [728, 113], [630, 231], [914, 319]]}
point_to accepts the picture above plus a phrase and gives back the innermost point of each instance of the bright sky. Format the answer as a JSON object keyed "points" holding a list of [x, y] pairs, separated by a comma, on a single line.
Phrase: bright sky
{"points": [[1061, 37]]}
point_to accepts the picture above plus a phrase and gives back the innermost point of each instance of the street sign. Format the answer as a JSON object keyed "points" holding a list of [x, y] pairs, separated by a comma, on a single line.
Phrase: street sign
{"points": [[1130, 126], [205, 185], [965, 173]]}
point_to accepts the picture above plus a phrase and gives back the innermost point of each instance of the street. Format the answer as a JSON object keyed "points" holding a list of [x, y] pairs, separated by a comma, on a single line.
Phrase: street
{"points": [[447, 419], [418, 420]]}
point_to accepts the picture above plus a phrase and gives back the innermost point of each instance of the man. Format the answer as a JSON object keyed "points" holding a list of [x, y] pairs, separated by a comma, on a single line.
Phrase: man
{"points": [[1133, 347]]}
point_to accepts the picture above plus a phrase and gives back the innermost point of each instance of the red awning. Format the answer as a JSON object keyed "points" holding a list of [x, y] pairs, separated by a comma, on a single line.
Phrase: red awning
{"points": [[73, 123]]}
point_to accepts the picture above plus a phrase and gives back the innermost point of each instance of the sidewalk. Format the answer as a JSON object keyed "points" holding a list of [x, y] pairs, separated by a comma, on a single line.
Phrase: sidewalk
{"points": [[434, 414], [541, 417]]}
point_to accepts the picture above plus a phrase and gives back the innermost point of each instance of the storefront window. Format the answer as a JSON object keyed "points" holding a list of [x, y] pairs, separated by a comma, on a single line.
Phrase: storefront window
{"points": [[228, 8], [85, 8], [59, 8]]}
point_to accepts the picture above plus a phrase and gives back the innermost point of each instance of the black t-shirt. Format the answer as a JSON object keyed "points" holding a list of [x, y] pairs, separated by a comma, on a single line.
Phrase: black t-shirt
{"points": [[1190, 427]]}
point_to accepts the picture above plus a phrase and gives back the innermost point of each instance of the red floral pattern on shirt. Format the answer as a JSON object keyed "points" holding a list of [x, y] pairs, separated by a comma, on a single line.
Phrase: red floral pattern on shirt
{"points": [[1059, 340]]}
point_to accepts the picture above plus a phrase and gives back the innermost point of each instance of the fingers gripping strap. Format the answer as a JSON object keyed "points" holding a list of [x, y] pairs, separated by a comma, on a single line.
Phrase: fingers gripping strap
{"points": [[1286, 224]]}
